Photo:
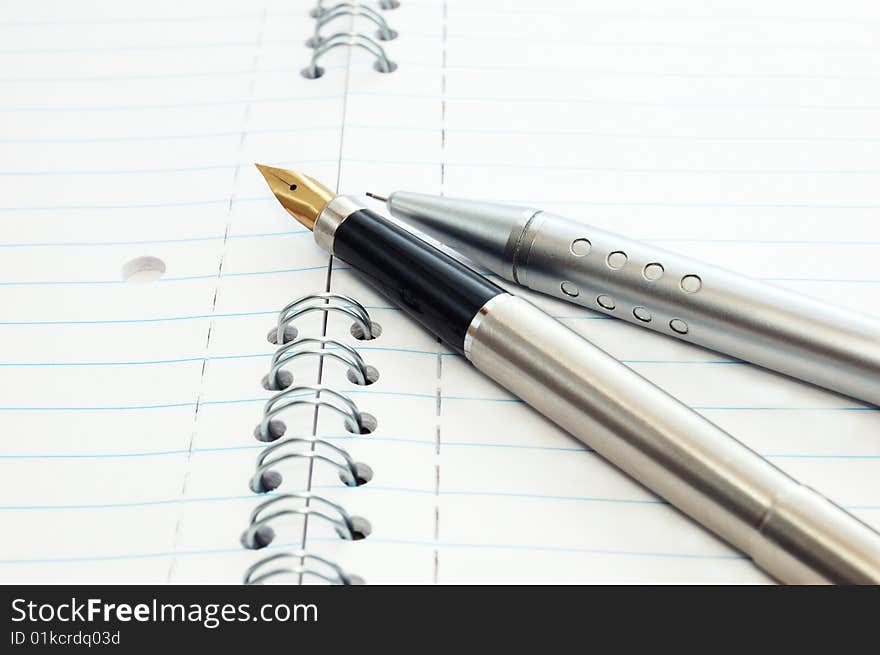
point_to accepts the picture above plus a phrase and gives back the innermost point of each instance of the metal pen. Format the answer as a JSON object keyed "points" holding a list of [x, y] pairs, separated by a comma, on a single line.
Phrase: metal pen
{"points": [[654, 288], [788, 529]]}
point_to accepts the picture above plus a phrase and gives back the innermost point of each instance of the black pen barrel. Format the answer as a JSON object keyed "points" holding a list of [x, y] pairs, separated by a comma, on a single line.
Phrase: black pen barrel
{"points": [[441, 293]]}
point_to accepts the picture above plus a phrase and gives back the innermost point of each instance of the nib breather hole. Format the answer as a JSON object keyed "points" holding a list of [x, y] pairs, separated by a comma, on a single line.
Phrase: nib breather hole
{"points": [[293, 187]]}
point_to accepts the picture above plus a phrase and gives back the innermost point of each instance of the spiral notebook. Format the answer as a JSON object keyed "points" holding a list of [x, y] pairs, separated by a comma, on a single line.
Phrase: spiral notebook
{"points": [[144, 265]]}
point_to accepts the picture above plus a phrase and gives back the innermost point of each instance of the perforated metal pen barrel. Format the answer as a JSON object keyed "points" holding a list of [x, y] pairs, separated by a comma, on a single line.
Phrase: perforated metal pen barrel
{"points": [[653, 288], [789, 530]]}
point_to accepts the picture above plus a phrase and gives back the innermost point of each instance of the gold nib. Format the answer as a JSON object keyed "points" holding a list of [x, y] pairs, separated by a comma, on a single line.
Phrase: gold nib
{"points": [[302, 196]]}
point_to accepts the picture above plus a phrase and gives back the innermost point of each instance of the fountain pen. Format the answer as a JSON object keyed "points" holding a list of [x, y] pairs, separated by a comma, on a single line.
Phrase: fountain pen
{"points": [[789, 530], [654, 288]]}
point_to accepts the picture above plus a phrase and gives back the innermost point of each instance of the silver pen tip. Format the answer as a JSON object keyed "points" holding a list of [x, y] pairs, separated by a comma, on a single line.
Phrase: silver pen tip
{"points": [[377, 197]]}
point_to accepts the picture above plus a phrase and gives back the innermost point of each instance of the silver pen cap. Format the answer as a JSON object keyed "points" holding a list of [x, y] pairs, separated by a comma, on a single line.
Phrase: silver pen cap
{"points": [[659, 290], [484, 232]]}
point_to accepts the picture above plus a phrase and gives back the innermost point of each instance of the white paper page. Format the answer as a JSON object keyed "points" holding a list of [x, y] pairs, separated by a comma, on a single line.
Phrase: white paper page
{"points": [[739, 133]]}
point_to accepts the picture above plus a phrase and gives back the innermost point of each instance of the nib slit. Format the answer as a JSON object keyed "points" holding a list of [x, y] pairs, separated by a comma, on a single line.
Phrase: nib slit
{"points": [[301, 196]]}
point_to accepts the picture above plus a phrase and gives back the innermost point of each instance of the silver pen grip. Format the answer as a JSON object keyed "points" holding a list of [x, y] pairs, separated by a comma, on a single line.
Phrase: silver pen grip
{"points": [[789, 530], [700, 303]]}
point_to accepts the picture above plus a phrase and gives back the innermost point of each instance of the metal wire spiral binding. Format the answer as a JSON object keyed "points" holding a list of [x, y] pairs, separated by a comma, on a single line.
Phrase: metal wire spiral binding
{"points": [[321, 45], [382, 64], [354, 419], [304, 504], [260, 532], [351, 308], [321, 9], [295, 563], [294, 350], [351, 473], [384, 33]]}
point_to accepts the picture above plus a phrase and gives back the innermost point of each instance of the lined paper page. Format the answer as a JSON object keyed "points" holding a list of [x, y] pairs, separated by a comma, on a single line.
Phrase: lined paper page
{"points": [[740, 133], [128, 409]]}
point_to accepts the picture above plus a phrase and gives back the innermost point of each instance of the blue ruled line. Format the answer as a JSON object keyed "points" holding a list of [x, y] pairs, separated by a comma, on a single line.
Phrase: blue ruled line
{"points": [[632, 136], [401, 394], [414, 351], [453, 164], [142, 242], [663, 17], [146, 205], [482, 38], [538, 70], [267, 354], [513, 201], [366, 488], [282, 271], [182, 278], [151, 138], [285, 233], [195, 104], [375, 541], [170, 169], [575, 448], [189, 317], [232, 102]]}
